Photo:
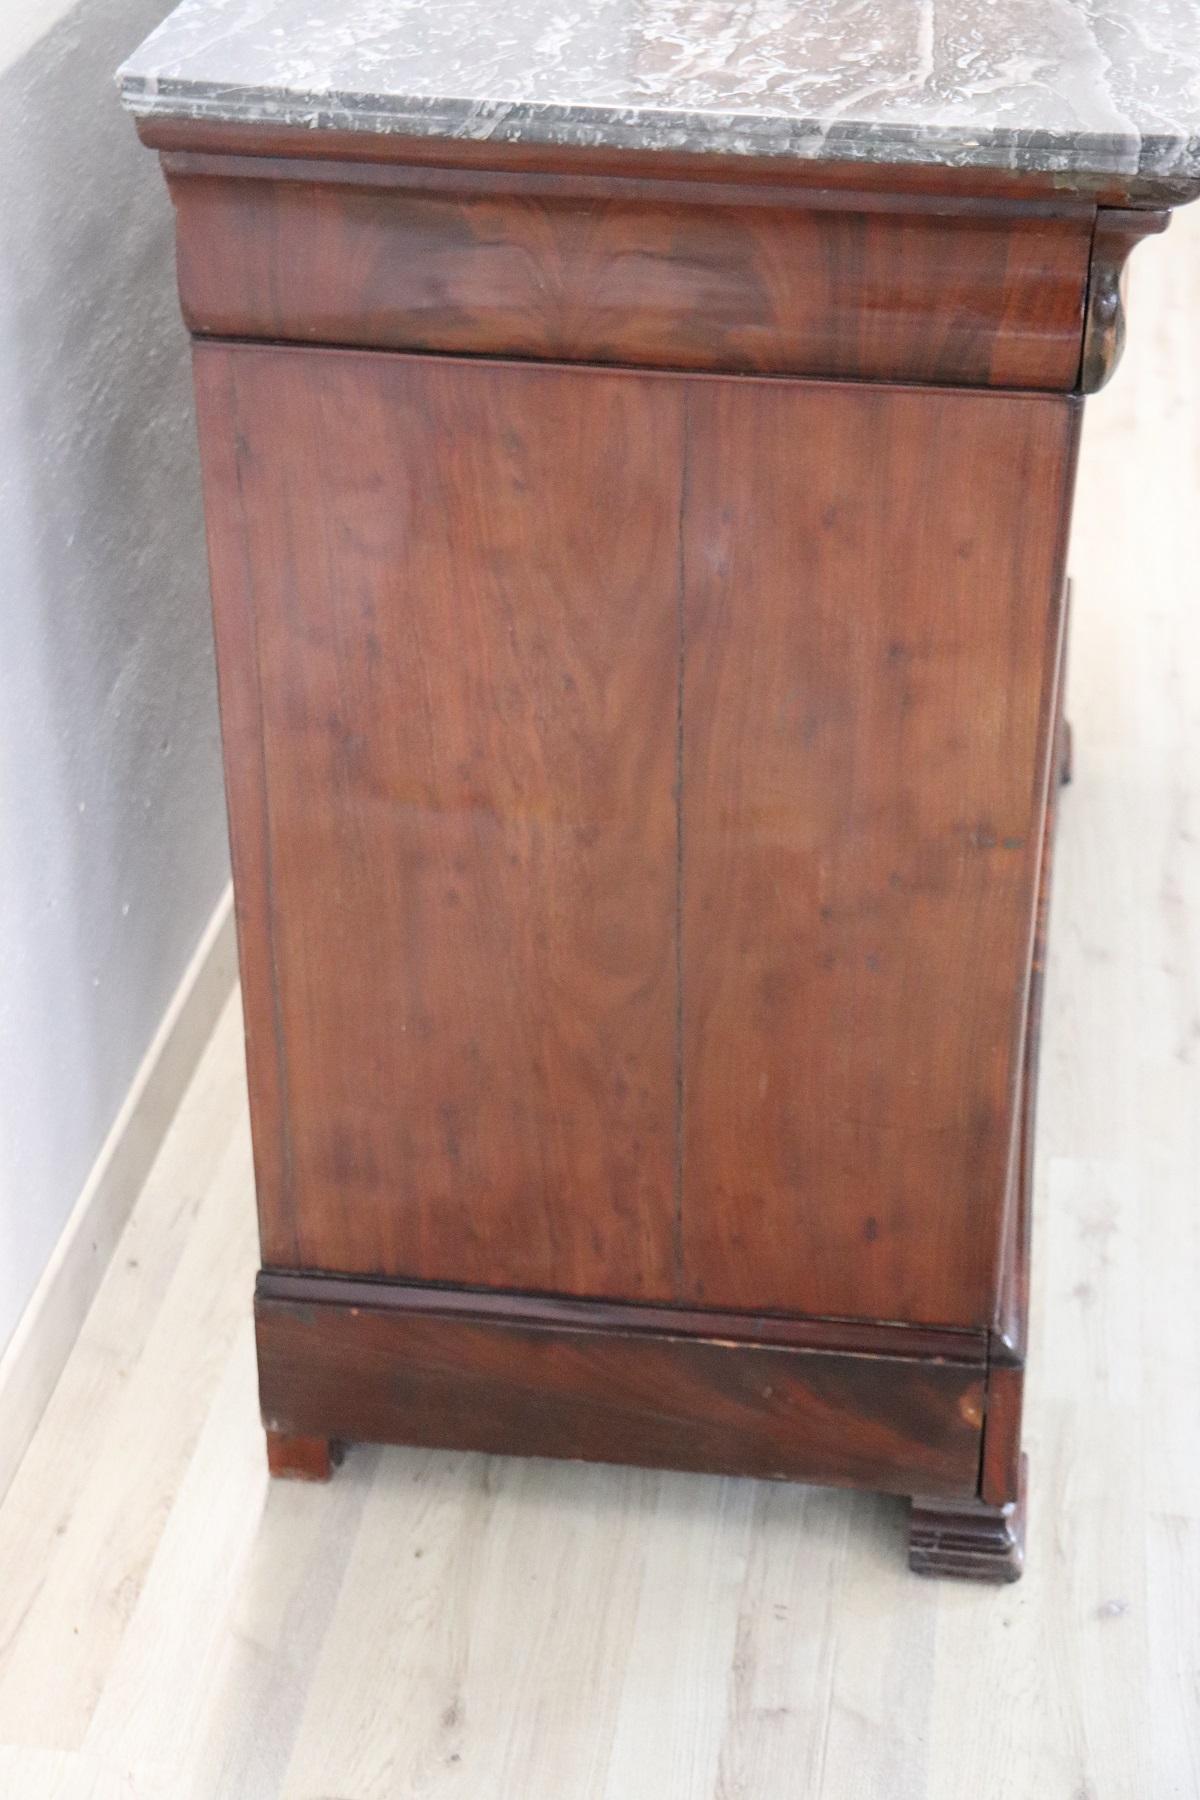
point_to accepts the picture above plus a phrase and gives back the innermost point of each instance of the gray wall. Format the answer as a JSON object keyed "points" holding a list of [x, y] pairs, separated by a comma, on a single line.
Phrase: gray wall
{"points": [[112, 846]]}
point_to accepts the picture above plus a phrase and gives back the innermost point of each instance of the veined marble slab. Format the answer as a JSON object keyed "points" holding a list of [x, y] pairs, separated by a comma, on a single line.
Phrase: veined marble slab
{"points": [[1095, 87]]}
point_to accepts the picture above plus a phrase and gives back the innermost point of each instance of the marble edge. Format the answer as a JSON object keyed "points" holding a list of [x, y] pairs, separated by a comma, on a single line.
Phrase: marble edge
{"points": [[1083, 154]]}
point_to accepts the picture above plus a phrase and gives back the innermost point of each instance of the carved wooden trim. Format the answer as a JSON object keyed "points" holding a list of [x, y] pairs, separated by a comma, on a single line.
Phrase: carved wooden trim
{"points": [[861, 1337], [968, 1537], [1116, 233]]}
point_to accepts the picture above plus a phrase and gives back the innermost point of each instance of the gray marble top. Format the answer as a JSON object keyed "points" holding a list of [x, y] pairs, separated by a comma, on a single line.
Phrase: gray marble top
{"points": [[1090, 87]]}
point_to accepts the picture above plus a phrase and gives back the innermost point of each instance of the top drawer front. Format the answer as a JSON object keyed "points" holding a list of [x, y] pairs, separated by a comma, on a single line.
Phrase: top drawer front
{"points": [[684, 275]]}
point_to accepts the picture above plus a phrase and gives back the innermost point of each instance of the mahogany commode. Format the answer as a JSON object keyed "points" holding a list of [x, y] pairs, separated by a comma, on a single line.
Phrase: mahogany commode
{"points": [[638, 513]]}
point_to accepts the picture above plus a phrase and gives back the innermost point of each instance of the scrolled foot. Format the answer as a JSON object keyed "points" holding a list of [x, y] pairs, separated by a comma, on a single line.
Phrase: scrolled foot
{"points": [[302, 1458], [968, 1538]]}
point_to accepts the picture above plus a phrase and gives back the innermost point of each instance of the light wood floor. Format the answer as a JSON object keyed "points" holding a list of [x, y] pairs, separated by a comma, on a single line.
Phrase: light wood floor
{"points": [[450, 1626]]}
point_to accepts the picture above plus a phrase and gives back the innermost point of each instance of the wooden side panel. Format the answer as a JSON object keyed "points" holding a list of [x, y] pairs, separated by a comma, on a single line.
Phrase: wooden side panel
{"points": [[871, 630], [635, 273], [1012, 1311], [853, 1337], [447, 605], [376, 1374], [1001, 1464], [486, 957]]}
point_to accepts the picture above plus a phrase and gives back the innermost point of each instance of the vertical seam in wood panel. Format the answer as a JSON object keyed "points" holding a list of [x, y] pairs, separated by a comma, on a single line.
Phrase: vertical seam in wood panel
{"points": [[681, 640], [1085, 303]]}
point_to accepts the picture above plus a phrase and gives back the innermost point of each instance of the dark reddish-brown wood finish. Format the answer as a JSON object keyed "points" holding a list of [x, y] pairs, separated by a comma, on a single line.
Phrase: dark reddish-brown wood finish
{"points": [[594, 960], [1117, 233], [641, 787], [676, 275], [973, 1538], [301, 1458], [609, 1394], [871, 626], [858, 1337], [463, 587], [1001, 1478]]}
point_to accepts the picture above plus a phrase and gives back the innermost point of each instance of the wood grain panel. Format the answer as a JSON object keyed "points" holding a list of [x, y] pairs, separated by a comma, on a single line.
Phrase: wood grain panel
{"points": [[607, 1396], [457, 848], [474, 589], [872, 587], [671, 274]]}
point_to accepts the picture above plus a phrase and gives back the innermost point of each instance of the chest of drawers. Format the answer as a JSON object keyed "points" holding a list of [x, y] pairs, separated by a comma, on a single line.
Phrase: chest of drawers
{"points": [[640, 593]]}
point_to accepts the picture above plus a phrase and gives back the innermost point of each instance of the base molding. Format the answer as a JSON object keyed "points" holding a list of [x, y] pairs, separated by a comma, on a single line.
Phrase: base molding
{"points": [[956, 1344], [370, 1361]]}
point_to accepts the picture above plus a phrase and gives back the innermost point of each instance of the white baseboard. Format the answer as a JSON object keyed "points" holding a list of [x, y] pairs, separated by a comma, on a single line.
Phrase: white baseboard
{"points": [[34, 1356]]}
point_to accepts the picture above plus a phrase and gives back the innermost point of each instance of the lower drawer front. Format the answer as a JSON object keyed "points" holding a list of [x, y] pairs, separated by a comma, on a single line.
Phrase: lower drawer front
{"points": [[900, 1424]]}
